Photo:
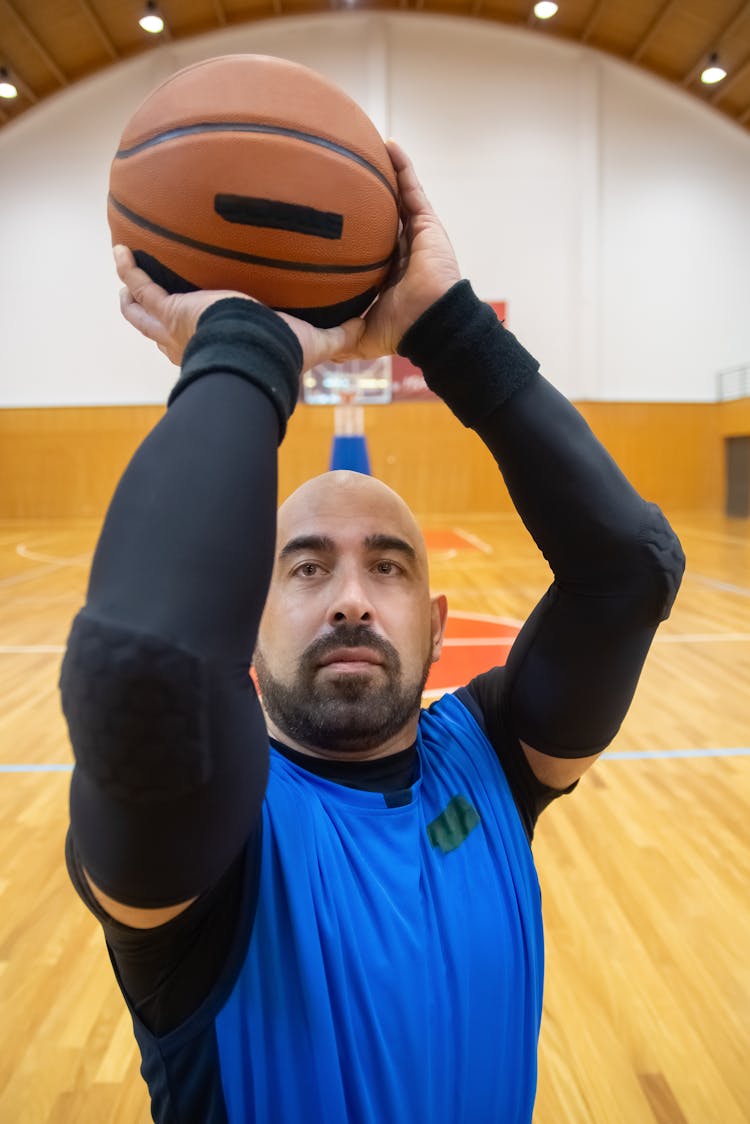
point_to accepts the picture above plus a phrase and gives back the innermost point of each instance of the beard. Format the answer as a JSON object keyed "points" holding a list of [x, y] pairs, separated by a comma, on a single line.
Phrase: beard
{"points": [[345, 713]]}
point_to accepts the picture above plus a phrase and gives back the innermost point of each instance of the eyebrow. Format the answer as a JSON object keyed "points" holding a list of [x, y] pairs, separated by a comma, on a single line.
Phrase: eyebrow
{"points": [[391, 542], [322, 544], [319, 543]]}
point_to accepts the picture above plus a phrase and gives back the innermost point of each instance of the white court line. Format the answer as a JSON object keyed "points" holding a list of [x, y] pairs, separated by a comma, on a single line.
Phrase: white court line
{"points": [[686, 638], [479, 642], [468, 615], [29, 575], [473, 540], [712, 536], [704, 638], [459, 641], [50, 562], [714, 583], [653, 754], [622, 755], [35, 556], [26, 649]]}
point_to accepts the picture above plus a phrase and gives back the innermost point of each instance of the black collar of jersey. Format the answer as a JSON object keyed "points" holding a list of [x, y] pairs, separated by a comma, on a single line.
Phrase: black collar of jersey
{"points": [[392, 775]]}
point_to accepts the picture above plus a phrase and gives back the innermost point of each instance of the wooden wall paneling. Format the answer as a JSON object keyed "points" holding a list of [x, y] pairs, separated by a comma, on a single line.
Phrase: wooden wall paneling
{"points": [[65, 462]]}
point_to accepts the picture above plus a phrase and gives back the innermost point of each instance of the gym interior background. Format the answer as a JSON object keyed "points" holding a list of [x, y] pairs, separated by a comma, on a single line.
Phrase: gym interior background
{"points": [[608, 208]]}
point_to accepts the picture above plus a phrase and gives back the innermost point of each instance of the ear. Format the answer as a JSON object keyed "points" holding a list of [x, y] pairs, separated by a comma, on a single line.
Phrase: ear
{"points": [[439, 615]]}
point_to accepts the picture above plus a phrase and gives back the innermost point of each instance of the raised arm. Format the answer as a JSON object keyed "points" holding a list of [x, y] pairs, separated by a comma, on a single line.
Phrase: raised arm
{"points": [[169, 739], [617, 563]]}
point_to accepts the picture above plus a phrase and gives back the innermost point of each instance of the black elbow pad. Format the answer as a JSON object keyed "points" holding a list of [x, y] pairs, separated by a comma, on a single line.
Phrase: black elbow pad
{"points": [[666, 554], [136, 708]]}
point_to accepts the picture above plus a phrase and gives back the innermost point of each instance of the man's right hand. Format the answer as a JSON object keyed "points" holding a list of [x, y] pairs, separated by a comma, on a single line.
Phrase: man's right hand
{"points": [[170, 319]]}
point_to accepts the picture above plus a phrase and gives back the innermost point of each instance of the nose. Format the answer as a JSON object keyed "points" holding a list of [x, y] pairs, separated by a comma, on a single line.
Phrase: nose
{"points": [[351, 604]]}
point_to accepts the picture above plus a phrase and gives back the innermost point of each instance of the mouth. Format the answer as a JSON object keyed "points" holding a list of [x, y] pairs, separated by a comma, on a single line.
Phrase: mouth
{"points": [[349, 660]]}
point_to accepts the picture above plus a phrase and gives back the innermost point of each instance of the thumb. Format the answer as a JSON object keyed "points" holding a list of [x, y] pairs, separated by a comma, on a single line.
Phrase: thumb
{"points": [[321, 345], [343, 340]]}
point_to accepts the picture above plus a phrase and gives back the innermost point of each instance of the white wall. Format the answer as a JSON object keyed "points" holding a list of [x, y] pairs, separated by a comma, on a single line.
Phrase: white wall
{"points": [[609, 210]]}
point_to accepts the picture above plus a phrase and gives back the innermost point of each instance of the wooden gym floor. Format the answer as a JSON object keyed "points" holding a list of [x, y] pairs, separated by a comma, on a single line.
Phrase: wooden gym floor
{"points": [[644, 870]]}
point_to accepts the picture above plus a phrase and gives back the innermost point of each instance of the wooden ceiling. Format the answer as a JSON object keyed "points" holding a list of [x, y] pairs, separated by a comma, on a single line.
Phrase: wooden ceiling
{"points": [[49, 44]]}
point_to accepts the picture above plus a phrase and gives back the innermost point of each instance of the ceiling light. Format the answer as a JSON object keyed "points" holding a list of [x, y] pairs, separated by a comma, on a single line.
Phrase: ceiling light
{"points": [[545, 10], [713, 72], [7, 89], [151, 21]]}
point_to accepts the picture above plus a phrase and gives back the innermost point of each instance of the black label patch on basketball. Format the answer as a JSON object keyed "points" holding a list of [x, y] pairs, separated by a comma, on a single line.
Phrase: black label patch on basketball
{"points": [[238, 255], [274, 215]]}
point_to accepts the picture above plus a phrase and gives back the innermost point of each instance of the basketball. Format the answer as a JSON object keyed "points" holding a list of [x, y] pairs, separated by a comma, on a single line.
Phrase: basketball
{"points": [[254, 173]]}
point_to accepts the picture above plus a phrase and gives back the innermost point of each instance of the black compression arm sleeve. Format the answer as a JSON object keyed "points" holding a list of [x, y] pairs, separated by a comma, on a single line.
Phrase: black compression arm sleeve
{"points": [[617, 563], [170, 743]]}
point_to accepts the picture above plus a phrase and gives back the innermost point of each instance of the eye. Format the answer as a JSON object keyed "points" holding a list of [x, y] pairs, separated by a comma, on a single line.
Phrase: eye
{"points": [[307, 569], [386, 567]]}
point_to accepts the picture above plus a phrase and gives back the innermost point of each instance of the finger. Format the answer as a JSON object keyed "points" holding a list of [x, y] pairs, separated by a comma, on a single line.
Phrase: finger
{"points": [[347, 336], [143, 289], [124, 259], [413, 198], [399, 157], [338, 343], [147, 324]]}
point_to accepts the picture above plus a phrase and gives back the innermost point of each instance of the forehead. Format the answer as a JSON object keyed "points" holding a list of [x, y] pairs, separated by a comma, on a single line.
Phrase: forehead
{"points": [[347, 509]]}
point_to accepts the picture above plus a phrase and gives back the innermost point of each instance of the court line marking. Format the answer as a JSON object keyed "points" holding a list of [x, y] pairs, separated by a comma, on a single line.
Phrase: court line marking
{"points": [[725, 587], [711, 536], [702, 638], [473, 540], [651, 754], [454, 642], [26, 649], [468, 615], [36, 768], [34, 556], [480, 642], [51, 562], [618, 755], [29, 575]]}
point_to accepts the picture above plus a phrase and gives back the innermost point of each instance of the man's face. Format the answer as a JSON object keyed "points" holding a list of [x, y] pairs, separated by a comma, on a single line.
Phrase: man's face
{"points": [[349, 630]]}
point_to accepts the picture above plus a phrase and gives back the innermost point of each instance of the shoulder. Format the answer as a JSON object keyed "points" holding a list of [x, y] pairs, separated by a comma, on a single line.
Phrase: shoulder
{"points": [[480, 708], [454, 745]]}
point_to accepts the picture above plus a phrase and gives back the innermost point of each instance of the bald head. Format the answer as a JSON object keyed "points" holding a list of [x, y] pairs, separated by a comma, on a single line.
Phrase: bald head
{"points": [[342, 495]]}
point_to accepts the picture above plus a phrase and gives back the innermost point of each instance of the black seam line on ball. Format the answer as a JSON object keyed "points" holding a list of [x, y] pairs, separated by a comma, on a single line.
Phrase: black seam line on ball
{"points": [[237, 255], [254, 127], [272, 214]]}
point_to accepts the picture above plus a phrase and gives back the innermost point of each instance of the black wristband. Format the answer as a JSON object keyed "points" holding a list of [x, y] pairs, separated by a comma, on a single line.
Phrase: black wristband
{"points": [[466, 355], [244, 338]]}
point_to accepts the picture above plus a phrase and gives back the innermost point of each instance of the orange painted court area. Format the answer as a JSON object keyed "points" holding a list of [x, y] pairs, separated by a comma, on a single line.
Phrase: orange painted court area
{"points": [[474, 642], [439, 538]]}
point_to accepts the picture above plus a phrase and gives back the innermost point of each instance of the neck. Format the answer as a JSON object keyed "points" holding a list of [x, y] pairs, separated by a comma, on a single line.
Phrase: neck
{"points": [[405, 738]]}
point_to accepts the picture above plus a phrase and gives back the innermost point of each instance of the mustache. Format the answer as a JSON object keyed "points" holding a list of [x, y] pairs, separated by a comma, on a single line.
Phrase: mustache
{"points": [[350, 636]]}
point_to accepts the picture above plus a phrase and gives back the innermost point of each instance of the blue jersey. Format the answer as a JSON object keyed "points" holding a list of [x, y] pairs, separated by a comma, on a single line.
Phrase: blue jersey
{"points": [[393, 968]]}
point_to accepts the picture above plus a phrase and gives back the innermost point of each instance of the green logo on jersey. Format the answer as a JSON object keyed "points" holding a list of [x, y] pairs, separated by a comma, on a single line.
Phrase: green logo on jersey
{"points": [[453, 824]]}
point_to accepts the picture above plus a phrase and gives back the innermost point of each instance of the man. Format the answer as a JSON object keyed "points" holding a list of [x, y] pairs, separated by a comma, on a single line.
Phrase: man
{"points": [[343, 927]]}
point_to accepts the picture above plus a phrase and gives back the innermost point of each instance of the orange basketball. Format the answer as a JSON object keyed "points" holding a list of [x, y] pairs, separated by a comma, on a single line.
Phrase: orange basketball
{"points": [[254, 173]]}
